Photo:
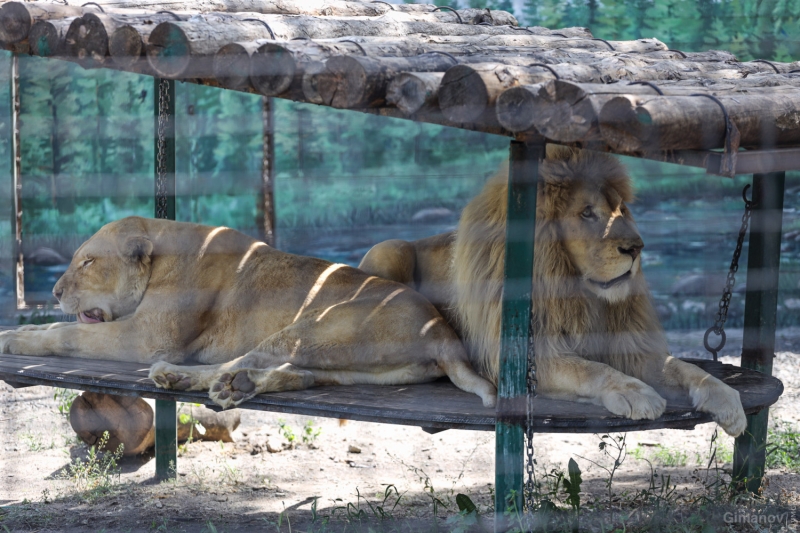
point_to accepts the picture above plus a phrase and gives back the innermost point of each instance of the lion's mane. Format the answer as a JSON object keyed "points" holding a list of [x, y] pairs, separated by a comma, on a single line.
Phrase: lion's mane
{"points": [[566, 318]]}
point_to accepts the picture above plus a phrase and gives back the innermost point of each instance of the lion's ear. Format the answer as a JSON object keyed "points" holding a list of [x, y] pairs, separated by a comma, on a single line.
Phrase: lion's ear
{"points": [[138, 249]]}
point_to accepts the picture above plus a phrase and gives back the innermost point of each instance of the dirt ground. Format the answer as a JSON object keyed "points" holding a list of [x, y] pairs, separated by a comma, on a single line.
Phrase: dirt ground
{"points": [[241, 486]]}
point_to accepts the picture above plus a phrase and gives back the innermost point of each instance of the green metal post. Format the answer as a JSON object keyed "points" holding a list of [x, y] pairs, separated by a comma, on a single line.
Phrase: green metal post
{"points": [[517, 289], [164, 107], [760, 317]]}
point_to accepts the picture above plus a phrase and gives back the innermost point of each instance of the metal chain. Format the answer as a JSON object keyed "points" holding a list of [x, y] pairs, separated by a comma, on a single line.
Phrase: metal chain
{"points": [[161, 163], [530, 461], [725, 300]]}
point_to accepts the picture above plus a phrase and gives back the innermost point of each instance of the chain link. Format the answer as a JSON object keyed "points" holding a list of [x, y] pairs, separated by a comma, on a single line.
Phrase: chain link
{"points": [[529, 490], [161, 154], [727, 292]]}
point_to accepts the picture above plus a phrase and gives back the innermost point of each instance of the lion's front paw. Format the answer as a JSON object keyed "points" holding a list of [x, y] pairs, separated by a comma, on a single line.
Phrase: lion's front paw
{"points": [[235, 386], [169, 376], [633, 399], [723, 404]]}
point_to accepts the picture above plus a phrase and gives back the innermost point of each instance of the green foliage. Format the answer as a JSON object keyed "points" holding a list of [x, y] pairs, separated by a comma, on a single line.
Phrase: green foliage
{"points": [[37, 317], [749, 28], [286, 431], [310, 433], [64, 399], [97, 473], [783, 449], [572, 486]]}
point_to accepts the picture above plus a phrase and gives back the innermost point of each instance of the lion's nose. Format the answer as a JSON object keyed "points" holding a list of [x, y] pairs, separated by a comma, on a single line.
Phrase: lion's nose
{"points": [[632, 251], [57, 293]]}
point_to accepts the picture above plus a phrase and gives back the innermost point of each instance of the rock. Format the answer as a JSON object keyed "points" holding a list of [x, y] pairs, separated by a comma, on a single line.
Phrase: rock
{"points": [[353, 449], [128, 421], [698, 285], [274, 446], [693, 306], [46, 257], [663, 311], [432, 214]]}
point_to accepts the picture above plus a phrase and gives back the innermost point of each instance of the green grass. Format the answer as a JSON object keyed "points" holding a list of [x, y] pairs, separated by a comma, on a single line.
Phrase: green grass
{"points": [[783, 448]]}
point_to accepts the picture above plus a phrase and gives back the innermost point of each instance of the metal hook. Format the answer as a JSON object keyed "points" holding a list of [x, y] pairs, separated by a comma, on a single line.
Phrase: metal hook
{"points": [[548, 67], [728, 160], [177, 17], [355, 43], [770, 63], [677, 52], [649, 84], [265, 25], [391, 7], [449, 9], [94, 4], [608, 43], [442, 53]]}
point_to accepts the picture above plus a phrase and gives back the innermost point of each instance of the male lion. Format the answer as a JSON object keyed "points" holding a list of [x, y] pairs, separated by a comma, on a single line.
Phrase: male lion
{"points": [[597, 336], [161, 292]]}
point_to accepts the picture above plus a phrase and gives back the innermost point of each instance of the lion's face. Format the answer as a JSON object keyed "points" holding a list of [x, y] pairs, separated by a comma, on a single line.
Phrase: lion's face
{"points": [[601, 239], [106, 277]]}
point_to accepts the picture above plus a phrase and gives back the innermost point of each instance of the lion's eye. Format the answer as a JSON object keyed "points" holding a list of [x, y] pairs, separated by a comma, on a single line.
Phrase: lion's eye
{"points": [[588, 213], [87, 262]]}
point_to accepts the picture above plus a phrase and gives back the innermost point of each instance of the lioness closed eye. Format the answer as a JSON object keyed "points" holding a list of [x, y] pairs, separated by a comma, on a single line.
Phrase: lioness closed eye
{"points": [[597, 336], [259, 320]]}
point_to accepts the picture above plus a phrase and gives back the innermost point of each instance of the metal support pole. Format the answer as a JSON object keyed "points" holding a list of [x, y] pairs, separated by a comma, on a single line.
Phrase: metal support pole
{"points": [[517, 291], [164, 155], [760, 317]]}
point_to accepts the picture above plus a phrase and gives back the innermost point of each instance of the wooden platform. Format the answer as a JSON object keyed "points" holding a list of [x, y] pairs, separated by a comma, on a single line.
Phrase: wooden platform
{"points": [[438, 405]]}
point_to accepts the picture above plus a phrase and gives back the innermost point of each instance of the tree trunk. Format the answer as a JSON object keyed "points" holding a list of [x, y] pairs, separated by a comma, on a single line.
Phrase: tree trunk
{"points": [[17, 18], [412, 91], [46, 37], [568, 112], [316, 8], [469, 89], [645, 123]]}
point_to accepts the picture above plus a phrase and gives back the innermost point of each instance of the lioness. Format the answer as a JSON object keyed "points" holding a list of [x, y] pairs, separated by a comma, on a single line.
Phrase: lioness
{"points": [[597, 336], [162, 292]]}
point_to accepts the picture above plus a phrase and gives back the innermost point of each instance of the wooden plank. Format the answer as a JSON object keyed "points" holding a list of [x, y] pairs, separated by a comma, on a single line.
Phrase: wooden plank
{"points": [[760, 316], [433, 405]]}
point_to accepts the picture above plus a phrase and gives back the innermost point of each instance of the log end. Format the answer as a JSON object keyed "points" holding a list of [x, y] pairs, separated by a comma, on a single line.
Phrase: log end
{"points": [[623, 126], [231, 67], [168, 50], [125, 46], [15, 22], [128, 421], [463, 96], [515, 108], [343, 83], [44, 39], [407, 93], [272, 69], [87, 41]]}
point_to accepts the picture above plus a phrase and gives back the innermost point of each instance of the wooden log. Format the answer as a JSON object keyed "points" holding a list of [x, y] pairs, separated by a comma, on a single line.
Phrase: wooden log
{"points": [[186, 49], [89, 37], [354, 81], [552, 39], [46, 37], [567, 111], [17, 18], [644, 123], [468, 90], [316, 8], [127, 420], [232, 65], [411, 91]]}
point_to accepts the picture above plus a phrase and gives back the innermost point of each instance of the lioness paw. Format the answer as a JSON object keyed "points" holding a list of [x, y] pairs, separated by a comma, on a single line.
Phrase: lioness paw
{"points": [[723, 404], [236, 386], [7, 339], [633, 399], [172, 377]]}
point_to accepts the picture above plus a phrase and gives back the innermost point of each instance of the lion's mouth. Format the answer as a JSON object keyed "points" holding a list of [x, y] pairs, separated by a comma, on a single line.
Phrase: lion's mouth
{"points": [[92, 316], [611, 283]]}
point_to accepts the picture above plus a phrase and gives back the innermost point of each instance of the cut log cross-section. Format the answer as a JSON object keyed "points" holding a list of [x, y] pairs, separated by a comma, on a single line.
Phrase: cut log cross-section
{"points": [[17, 18], [567, 111], [47, 37], [639, 124]]}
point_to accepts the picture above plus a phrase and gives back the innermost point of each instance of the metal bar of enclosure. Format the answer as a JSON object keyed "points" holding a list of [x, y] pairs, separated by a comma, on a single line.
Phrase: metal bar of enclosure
{"points": [[164, 170], [760, 317], [517, 292], [16, 184]]}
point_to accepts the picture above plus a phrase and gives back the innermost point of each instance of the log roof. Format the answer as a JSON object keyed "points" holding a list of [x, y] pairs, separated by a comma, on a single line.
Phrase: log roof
{"points": [[469, 68]]}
